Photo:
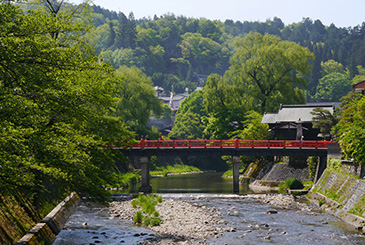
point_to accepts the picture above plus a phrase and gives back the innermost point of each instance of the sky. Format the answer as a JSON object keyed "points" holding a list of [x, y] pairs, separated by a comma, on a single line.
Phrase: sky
{"points": [[342, 13]]}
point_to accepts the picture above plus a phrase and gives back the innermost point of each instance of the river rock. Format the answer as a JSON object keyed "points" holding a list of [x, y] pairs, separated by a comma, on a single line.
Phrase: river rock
{"points": [[179, 219]]}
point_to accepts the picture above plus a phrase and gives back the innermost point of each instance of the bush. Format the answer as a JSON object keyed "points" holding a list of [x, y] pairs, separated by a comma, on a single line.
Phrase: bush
{"points": [[293, 183]]}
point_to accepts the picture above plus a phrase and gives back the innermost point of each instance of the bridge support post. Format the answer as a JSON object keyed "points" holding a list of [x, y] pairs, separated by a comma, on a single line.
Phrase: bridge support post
{"points": [[236, 174], [145, 171], [321, 166]]}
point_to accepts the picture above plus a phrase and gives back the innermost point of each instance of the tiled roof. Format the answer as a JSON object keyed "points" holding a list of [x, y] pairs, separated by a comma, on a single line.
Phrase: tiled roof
{"points": [[294, 113]]}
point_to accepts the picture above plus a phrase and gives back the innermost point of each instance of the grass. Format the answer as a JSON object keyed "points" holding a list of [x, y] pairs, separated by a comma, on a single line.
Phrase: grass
{"points": [[291, 183], [146, 214], [229, 173], [125, 179], [176, 168]]}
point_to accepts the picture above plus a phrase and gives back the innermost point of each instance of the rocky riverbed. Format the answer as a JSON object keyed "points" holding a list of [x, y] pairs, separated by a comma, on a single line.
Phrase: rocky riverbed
{"points": [[190, 223]]}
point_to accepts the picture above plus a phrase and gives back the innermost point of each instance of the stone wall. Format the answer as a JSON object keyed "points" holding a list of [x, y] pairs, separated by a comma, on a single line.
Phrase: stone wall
{"points": [[45, 231], [342, 195]]}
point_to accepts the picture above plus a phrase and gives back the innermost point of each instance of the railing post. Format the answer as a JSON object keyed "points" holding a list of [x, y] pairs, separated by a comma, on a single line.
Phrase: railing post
{"points": [[221, 143], [268, 144], [142, 144], [284, 146], [236, 143]]}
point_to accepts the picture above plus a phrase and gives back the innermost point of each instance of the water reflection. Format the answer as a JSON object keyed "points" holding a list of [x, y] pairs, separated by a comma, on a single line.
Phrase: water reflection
{"points": [[191, 183]]}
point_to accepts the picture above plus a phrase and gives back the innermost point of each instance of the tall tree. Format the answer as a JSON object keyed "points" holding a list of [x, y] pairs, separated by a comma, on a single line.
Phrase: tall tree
{"points": [[351, 131], [54, 102], [270, 70]]}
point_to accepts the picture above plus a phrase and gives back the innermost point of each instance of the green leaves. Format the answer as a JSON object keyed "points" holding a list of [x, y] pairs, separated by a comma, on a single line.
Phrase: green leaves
{"points": [[147, 214], [54, 105], [351, 130], [269, 69]]}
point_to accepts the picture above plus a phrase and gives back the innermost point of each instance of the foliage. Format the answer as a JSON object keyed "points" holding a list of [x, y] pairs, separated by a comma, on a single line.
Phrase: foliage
{"points": [[136, 98], [253, 128], [312, 164], [324, 120], [267, 70], [351, 131], [57, 105], [332, 87], [293, 183], [176, 168], [264, 73], [188, 122], [125, 179], [179, 46], [147, 214], [359, 207]]}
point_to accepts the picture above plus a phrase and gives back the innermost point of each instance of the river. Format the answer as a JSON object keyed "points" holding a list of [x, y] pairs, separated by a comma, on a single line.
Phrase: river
{"points": [[92, 224]]}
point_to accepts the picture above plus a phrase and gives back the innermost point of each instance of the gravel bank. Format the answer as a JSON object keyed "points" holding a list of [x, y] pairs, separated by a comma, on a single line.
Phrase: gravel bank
{"points": [[186, 223], [182, 222], [286, 201]]}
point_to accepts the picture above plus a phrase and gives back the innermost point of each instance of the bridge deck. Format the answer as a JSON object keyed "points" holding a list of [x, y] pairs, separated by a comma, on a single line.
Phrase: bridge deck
{"points": [[224, 147]]}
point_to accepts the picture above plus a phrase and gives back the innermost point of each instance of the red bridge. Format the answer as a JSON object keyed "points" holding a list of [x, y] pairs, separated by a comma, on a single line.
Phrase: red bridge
{"points": [[282, 144], [235, 148]]}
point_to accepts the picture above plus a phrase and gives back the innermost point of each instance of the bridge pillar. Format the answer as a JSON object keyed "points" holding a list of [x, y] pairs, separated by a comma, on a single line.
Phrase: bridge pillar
{"points": [[236, 174], [321, 166], [145, 171]]}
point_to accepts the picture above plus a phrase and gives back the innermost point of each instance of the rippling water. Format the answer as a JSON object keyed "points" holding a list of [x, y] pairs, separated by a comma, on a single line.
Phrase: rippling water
{"points": [[243, 212]]}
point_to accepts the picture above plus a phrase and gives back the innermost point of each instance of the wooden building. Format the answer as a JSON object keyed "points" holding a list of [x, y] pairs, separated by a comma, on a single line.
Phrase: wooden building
{"points": [[294, 122], [359, 87]]}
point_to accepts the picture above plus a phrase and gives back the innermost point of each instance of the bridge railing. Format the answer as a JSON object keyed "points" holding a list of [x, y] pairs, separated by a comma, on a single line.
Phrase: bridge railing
{"points": [[267, 144]]}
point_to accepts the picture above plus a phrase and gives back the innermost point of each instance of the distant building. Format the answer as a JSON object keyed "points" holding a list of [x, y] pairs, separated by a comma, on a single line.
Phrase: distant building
{"points": [[359, 87], [199, 79], [173, 101], [294, 122], [159, 91]]}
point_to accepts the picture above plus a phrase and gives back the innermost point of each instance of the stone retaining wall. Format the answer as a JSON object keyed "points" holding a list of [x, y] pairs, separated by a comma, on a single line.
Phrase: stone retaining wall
{"points": [[45, 231], [341, 195]]}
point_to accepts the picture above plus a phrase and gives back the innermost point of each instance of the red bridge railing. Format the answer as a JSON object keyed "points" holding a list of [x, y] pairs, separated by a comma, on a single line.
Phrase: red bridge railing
{"points": [[191, 144]]}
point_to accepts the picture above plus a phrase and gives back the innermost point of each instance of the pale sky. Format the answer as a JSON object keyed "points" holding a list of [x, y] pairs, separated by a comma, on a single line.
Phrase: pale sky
{"points": [[343, 13]]}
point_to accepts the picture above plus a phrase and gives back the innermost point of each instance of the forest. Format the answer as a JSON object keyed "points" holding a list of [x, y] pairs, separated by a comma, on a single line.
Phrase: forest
{"points": [[171, 49], [75, 78]]}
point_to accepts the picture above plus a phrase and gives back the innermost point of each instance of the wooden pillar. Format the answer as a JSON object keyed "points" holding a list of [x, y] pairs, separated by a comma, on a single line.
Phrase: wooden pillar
{"points": [[236, 174], [321, 166], [145, 171]]}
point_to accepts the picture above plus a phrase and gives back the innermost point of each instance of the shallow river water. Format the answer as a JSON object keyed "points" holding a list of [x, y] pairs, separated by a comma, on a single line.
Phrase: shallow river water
{"points": [[91, 224]]}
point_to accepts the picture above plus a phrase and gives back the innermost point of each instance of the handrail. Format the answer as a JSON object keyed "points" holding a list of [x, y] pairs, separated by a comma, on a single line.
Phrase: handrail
{"points": [[238, 144]]}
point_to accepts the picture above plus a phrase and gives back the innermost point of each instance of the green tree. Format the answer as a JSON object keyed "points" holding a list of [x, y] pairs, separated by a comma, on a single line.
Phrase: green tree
{"points": [[253, 128], [136, 98], [331, 66], [202, 53], [332, 87], [188, 122], [54, 103], [269, 70], [324, 120], [351, 131]]}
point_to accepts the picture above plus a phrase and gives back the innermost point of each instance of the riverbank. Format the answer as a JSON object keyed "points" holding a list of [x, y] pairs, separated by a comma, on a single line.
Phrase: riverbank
{"points": [[181, 221], [191, 222], [342, 195]]}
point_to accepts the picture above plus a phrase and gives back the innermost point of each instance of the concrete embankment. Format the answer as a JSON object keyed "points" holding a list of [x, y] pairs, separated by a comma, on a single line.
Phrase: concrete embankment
{"points": [[45, 231], [272, 174], [341, 195]]}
